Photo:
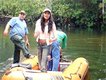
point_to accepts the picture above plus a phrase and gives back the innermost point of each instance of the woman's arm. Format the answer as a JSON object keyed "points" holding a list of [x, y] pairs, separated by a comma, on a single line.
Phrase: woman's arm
{"points": [[37, 32]]}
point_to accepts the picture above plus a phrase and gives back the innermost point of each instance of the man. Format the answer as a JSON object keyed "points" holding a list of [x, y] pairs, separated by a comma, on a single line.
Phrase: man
{"points": [[62, 39], [55, 51], [18, 35]]}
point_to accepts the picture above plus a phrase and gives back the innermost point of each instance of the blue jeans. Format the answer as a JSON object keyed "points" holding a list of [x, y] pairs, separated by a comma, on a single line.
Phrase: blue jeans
{"points": [[42, 56], [55, 54], [19, 44]]}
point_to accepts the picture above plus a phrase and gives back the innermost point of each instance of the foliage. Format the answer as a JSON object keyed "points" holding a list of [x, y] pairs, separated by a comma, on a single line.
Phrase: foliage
{"points": [[80, 12]]}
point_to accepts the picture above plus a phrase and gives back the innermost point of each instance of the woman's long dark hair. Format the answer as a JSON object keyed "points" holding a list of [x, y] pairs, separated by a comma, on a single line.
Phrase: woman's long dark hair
{"points": [[50, 23]]}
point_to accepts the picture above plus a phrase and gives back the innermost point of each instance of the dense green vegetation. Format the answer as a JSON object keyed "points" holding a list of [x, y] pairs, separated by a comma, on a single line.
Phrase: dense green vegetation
{"points": [[68, 14]]}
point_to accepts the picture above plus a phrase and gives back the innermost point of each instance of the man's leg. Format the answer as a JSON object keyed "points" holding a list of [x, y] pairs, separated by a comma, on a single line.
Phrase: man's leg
{"points": [[16, 54], [55, 55], [50, 64], [24, 48], [19, 41]]}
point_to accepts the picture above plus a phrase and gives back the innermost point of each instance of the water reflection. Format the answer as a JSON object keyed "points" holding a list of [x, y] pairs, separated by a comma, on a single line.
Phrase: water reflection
{"points": [[93, 48], [80, 44]]}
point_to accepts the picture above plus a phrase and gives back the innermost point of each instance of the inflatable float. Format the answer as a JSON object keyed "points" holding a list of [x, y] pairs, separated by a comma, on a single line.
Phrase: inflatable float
{"points": [[77, 70]]}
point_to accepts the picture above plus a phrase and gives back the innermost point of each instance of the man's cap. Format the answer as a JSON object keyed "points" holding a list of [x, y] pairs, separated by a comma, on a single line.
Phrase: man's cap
{"points": [[47, 9], [22, 11]]}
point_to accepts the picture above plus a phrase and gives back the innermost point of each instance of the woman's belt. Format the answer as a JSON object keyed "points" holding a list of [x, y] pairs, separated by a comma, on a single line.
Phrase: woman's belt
{"points": [[42, 41]]}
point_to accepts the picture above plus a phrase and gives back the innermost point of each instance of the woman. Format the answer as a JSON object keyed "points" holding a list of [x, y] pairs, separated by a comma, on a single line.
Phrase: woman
{"points": [[45, 34]]}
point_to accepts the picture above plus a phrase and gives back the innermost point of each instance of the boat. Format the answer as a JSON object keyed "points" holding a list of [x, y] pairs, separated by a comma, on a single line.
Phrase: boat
{"points": [[77, 70]]}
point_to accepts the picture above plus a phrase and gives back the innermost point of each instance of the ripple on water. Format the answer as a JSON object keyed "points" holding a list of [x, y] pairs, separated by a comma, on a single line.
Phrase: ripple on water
{"points": [[5, 65]]}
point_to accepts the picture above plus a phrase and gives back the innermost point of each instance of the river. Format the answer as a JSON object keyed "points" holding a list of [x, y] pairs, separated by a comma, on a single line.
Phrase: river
{"points": [[89, 45]]}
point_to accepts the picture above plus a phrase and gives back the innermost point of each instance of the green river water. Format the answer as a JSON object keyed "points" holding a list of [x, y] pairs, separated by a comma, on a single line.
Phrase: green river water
{"points": [[85, 44]]}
